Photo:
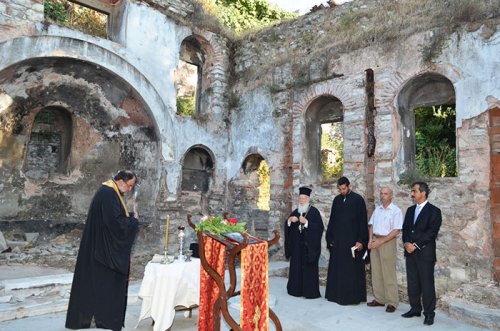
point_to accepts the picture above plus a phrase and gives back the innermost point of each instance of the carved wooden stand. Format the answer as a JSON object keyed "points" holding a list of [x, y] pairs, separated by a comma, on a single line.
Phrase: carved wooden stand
{"points": [[220, 305]]}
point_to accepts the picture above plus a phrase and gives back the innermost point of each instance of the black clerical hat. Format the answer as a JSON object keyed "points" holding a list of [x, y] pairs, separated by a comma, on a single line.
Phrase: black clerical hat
{"points": [[305, 190]]}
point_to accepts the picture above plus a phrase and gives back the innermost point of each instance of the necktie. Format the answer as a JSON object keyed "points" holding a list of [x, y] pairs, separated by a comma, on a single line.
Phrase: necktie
{"points": [[417, 211]]}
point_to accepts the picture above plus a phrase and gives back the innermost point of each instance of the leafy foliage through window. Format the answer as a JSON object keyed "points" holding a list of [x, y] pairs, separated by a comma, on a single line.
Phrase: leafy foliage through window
{"points": [[186, 106], [264, 186], [332, 150], [73, 15], [435, 141]]}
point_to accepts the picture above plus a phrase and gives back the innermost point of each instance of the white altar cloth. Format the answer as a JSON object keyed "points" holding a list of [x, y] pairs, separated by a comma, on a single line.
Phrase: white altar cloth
{"points": [[166, 286]]}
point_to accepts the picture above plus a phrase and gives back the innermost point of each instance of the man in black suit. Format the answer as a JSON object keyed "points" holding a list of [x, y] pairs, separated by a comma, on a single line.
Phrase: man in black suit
{"points": [[420, 229]]}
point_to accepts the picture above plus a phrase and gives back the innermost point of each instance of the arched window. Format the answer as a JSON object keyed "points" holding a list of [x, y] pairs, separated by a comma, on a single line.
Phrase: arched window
{"points": [[50, 144], [197, 170], [250, 192], [324, 144], [256, 170], [426, 106], [188, 76]]}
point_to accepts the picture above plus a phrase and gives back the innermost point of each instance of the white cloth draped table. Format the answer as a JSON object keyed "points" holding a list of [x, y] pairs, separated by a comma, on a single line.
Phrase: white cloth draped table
{"points": [[166, 286]]}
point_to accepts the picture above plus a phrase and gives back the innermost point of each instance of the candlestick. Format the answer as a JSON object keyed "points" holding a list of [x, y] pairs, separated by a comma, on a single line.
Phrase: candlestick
{"points": [[165, 244], [181, 242]]}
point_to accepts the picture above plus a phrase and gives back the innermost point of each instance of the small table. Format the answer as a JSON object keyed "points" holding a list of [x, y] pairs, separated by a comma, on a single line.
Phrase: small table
{"points": [[166, 286]]}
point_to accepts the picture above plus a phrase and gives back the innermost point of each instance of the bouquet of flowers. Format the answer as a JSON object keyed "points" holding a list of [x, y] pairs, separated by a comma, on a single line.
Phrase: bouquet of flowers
{"points": [[217, 225]]}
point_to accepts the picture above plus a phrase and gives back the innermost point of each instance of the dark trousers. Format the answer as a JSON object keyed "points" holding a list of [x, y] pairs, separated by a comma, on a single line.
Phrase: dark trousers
{"points": [[421, 290]]}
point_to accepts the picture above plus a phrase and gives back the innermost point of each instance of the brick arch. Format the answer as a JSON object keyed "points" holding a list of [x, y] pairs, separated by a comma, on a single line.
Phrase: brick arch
{"points": [[388, 95], [338, 91]]}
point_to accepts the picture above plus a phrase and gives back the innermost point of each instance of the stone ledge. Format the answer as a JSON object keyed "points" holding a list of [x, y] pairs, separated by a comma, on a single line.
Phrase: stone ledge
{"points": [[36, 306], [36, 282], [473, 313], [22, 310]]}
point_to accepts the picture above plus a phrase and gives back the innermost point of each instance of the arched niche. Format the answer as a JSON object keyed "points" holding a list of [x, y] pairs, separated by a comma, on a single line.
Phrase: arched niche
{"points": [[49, 145], [197, 170]]}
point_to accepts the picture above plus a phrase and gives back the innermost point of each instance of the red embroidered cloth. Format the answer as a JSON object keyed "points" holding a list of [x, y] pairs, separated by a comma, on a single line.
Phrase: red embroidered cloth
{"points": [[254, 302], [215, 253]]}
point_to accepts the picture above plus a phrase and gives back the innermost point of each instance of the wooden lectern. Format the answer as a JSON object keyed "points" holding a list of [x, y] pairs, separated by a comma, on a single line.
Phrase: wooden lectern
{"points": [[220, 305]]}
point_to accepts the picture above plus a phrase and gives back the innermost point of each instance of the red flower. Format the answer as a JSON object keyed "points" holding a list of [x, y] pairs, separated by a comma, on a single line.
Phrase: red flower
{"points": [[232, 220]]}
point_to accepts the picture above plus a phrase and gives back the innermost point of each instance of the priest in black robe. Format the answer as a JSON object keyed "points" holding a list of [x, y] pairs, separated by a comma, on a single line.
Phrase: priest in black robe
{"points": [[100, 281], [303, 231], [347, 240]]}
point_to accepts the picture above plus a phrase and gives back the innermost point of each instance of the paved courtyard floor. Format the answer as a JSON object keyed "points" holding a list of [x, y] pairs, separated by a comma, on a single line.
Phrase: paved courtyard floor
{"points": [[295, 314]]}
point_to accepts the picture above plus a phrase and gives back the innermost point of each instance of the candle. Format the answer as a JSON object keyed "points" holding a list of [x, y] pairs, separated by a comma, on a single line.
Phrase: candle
{"points": [[165, 244]]}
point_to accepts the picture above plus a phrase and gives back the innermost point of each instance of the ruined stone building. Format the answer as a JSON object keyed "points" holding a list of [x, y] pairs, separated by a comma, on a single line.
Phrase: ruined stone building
{"points": [[75, 108]]}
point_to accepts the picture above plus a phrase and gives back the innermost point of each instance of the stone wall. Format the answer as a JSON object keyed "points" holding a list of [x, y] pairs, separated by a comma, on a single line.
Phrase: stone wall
{"points": [[256, 93], [17, 17], [282, 72]]}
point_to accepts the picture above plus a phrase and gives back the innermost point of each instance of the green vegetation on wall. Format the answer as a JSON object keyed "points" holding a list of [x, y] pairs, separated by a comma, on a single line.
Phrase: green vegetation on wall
{"points": [[264, 186], [332, 144], [186, 106], [73, 15], [242, 15], [435, 141]]}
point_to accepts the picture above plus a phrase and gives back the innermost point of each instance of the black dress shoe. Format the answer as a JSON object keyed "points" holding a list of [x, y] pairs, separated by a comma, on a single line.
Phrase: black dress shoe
{"points": [[428, 320], [411, 313]]}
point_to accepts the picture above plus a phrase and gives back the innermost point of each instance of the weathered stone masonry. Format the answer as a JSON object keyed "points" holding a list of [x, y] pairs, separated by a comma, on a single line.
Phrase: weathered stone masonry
{"points": [[257, 93]]}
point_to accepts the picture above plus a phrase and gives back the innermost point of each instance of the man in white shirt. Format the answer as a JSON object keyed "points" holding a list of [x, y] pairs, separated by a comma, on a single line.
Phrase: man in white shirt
{"points": [[385, 224]]}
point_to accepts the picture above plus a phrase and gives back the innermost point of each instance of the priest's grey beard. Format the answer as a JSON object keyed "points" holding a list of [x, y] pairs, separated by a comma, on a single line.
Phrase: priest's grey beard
{"points": [[303, 208]]}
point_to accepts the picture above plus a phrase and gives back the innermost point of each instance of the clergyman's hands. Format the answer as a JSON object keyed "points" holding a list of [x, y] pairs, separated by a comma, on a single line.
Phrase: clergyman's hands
{"points": [[359, 246], [293, 219], [302, 220]]}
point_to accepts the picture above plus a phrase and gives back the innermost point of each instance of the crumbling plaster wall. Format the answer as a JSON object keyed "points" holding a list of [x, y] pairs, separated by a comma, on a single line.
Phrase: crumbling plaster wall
{"points": [[154, 40], [286, 85], [110, 130], [145, 58]]}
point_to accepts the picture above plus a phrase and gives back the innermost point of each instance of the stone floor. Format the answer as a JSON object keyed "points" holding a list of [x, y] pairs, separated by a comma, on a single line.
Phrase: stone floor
{"points": [[47, 313]]}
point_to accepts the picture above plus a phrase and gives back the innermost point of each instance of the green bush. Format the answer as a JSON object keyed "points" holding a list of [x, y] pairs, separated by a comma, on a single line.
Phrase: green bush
{"points": [[435, 141], [332, 142], [186, 106], [438, 161], [411, 176], [55, 11], [241, 15]]}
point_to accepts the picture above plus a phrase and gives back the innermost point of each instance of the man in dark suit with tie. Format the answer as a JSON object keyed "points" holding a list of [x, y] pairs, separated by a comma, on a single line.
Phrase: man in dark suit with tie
{"points": [[420, 229]]}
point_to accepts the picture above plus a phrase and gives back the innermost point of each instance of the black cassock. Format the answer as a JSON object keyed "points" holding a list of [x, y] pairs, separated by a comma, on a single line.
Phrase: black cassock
{"points": [[348, 224], [100, 281], [303, 248]]}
